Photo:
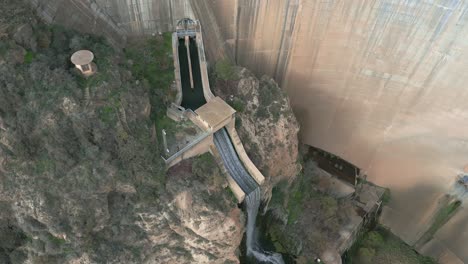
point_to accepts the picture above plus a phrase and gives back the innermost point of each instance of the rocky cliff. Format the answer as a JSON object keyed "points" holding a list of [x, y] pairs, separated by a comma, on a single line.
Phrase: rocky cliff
{"points": [[81, 178], [264, 120]]}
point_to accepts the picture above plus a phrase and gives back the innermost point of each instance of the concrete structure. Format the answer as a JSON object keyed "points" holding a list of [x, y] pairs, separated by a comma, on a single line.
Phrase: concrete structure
{"points": [[175, 112], [83, 15], [249, 165], [212, 116], [178, 84], [240, 195], [216, 114], [83, 60], [194, 149], [367, 204], [187, 40]]}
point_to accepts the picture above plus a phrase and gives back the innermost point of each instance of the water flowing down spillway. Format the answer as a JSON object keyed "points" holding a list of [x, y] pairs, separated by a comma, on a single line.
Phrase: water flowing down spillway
{"points": [[252, 198]]}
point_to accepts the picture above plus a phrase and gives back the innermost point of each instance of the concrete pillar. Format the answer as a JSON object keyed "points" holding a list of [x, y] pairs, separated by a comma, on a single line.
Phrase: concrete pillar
{"points": [[166, 149], [187, 46]]}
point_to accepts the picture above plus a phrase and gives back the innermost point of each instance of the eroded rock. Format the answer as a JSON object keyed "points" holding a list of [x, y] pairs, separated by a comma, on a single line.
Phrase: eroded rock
{"points": [[265, 123]]}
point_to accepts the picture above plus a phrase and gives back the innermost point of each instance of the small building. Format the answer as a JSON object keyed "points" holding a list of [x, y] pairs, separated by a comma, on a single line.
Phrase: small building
{"points": [[83, 60], [215, 114]]}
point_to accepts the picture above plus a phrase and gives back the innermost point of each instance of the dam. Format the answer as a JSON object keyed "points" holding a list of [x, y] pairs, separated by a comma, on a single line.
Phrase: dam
{"points": [[380, 83]]}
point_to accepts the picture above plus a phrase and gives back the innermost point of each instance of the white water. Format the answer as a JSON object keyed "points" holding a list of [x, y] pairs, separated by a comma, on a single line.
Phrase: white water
{"points": [[252, 201]]}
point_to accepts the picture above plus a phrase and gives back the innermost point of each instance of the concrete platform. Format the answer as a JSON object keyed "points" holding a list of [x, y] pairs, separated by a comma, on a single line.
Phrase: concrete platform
{"points": [[216, 113]]}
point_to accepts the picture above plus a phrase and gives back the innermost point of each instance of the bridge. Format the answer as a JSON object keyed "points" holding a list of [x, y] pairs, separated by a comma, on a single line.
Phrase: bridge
{"points": [[212, 115]]}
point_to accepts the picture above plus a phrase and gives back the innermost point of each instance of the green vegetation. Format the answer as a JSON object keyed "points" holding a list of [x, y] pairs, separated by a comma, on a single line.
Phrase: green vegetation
{"points": [[56, 240], [443, 215], [225, 70], [103, 57], [205, 168], [383, 247], [298, 193], [278, 194], [237, 104], [302, 190], [386, 197], [204, 165], [107, 114], [4, 47], [271, 99], [301, 205], [29, 57], [43, 165], [82, 135], [230, 195], [152, 61]]}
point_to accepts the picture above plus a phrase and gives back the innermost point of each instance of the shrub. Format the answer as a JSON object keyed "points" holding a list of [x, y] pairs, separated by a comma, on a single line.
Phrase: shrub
{"points": [[107, 114], [278, 194], [204, 165], [262, 112], [386, 197], [225, 70], [329, 206], [275, 110], [56, 240], [4, 47], [238, 105], [366, 255], [29, 57], [373, 240]]}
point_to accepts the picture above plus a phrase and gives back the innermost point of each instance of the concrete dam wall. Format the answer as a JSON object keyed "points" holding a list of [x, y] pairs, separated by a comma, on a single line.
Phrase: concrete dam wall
{"points": [[381, 83]]}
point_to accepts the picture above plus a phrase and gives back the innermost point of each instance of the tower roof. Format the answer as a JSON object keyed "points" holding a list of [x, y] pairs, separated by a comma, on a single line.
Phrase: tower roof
{"points": [[82, 57]]}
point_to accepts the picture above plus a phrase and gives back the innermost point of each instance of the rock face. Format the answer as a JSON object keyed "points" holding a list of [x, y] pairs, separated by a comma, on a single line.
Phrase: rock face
{"points": [[202, 221], [81, 178], [265, 123], [24, 36]]}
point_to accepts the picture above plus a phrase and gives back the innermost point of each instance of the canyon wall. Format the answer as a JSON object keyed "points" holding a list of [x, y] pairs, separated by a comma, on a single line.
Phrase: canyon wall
{"points": [[380, 83]]}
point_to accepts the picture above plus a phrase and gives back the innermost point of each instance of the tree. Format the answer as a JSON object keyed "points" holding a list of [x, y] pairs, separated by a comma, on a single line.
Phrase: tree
{"points": [[225, 70]]}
